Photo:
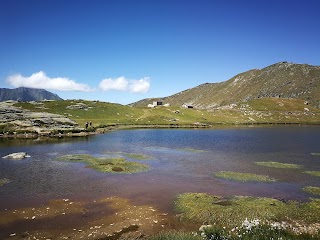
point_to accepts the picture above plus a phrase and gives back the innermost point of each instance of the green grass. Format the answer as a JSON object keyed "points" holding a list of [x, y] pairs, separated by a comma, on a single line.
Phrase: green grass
{"points": [[175, 235], [243, 177], [313, 173], [113, 165], [312, 190], [100, 113], [4, 181], [278, 165], [108, 114], [277, 104], [231, 212], [255, 232]]}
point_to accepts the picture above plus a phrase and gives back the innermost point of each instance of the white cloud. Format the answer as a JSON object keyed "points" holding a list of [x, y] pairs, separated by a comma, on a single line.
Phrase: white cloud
{"points": [[120, 84], [127, 85], [41, 80]]}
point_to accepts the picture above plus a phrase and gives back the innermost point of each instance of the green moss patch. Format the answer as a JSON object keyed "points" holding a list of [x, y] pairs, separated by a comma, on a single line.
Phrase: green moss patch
{"points": [[4, 181], [175, 235], [313, 173], [312, 190], [206, 208], [115, 165], [278, 165], [243, 177]]}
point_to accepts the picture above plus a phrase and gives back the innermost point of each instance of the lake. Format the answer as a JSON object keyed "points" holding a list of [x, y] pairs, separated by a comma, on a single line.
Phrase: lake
{"points": [[181, 160]]}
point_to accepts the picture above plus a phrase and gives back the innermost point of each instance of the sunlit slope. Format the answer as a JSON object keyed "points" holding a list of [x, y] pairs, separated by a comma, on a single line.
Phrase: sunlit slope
{"points": [[285, 80], [84, 111], [263, 110]]}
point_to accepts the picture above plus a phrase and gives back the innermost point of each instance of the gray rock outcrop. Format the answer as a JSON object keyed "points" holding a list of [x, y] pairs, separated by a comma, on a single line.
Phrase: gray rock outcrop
{"points": [[22, 119]]}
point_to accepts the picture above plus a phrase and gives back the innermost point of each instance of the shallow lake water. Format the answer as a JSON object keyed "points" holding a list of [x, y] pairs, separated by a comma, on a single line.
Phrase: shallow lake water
{"points": [[181, 160]]}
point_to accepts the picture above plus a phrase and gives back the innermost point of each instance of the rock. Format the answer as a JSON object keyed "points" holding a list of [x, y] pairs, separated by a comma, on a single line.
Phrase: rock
{"points": [[79, 105], [21, 119], [18, 155], [203, 227]]}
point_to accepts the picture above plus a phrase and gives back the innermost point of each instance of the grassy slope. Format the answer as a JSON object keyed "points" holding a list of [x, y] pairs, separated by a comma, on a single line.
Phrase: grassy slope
{"points": [[284, 79], [263, 110]]}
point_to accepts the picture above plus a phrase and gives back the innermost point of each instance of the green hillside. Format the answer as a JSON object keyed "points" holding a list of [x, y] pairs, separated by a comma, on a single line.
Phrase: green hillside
{"points": [[284, 80], [263, 110]]}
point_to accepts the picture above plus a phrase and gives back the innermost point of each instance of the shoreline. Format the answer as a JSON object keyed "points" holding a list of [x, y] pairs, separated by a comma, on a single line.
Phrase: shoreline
{"points": [[114, 127]]}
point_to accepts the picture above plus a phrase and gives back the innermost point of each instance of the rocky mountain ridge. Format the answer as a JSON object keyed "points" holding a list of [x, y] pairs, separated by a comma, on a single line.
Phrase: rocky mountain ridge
{"points": [[26, 94], [282, 80]]}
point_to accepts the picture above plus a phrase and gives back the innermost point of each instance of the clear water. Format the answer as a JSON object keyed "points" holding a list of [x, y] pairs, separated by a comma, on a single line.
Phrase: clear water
{"points": [[175, 170]]}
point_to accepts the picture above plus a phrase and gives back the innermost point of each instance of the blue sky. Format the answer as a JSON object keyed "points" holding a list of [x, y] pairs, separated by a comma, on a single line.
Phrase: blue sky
{"points": [[126, 50]]}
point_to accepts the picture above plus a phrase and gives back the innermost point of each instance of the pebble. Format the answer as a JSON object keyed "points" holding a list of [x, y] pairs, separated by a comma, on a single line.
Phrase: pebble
{"points": [[12, 234], [33, 217]]}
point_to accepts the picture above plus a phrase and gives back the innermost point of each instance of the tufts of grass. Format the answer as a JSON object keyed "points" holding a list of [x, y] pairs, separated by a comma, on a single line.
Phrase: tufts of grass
{"points": [[313, 173], [114, 165], [243, 177], [209, 209], [312, 190], [175, 235], [315, 154], [278, 165], [206, 208], [253, 230], [4, 181]]}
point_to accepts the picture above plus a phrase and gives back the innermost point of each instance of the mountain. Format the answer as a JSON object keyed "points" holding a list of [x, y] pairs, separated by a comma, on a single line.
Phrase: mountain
{"points": [[27, 94], [281, 80]]}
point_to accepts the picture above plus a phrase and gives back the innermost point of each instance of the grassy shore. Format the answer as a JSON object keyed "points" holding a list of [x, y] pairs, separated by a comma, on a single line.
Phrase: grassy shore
{"points": [[257, 217]]}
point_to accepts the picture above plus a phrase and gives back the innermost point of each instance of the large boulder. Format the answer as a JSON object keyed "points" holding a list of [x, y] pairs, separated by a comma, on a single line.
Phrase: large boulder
{"points": [[18, 155]]}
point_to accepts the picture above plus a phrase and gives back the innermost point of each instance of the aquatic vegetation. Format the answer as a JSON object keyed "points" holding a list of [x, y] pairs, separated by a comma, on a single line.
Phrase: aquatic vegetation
{"points": [[313, 173], [278, 165], [4, 181], [115, 165], [315, 154], [243, 177], [137, 156], [232, 215], [312, 190]]}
